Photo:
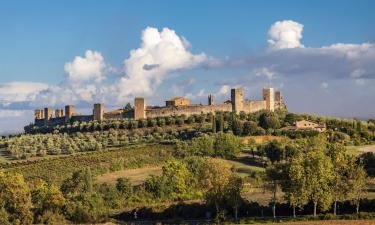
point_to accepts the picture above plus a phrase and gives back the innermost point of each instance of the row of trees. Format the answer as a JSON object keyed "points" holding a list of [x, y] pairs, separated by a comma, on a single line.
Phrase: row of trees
{"points": [[130, 124], [224, 145], [25, 146], [314, 171], [347, 131]]}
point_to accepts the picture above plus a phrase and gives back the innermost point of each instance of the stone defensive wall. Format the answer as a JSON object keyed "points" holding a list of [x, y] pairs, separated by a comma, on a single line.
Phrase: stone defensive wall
{"points": [[186, 110], [254, 106], [174, 107]]}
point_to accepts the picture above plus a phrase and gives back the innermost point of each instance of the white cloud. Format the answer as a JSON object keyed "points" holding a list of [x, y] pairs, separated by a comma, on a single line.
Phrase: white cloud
{"points": [[20, 91], [324, 85], [224, 90], [285, 34], [351, 51], [266, 72], [160, 54], [8, 113], [89, 67], [202, 94], [360, 82]]}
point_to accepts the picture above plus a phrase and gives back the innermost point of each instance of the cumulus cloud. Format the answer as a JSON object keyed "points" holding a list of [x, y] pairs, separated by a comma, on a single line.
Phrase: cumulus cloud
{"points": [[324, 85], [223, 93], [89, 67], [9, 113], [285, 34], [20, 91], [160, 53], [266, 72], [224, 90]]}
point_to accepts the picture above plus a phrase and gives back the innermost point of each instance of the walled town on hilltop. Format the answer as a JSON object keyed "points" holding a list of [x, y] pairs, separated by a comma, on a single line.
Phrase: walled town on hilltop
{"points": [[174, 107]]}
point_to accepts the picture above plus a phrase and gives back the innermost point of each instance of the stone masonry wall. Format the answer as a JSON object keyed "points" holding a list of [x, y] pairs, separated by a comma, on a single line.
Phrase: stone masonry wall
{"points": [[187, 110]]}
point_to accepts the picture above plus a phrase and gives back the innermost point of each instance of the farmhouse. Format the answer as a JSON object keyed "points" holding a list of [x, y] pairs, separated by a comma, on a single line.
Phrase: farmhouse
{"points": [[308, 125]]}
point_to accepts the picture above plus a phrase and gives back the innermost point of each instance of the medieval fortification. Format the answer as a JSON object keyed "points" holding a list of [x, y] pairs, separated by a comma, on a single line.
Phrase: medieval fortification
{"points": [[177, 106]]}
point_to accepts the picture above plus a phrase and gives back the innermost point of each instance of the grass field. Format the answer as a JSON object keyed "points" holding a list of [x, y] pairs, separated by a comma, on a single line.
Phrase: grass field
{"points": [[244, 165], [261, 139], [361, 149], [136, 176], [3, 155]]}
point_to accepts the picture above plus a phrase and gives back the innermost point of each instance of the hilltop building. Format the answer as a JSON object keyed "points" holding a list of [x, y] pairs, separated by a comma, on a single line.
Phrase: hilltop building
{"points": [[177, 101], [176, 106], [308, 125]]}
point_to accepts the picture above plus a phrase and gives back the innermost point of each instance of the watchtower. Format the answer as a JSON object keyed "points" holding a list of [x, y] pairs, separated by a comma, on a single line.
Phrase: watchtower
{"points": [[47, 115], [39, 114], [59, 113], [278, 96], [69, 112], [139, 108], [210, 99], [269, 97], [98, 112], [237, 100]]}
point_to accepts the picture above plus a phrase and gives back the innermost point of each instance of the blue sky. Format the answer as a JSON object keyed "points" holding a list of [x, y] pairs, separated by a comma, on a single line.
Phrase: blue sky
{"points": [[229, 40]]}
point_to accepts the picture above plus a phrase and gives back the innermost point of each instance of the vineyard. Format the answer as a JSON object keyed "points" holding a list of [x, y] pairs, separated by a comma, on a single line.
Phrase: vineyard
{"points": [[57, 169]]}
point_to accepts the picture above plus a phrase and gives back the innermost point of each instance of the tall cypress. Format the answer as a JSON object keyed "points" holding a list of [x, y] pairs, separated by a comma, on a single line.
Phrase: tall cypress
{"points": [[213, 121], [221, 122]]}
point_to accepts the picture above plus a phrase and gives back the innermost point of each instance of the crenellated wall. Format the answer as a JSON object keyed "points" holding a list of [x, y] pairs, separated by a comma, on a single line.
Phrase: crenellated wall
{"points": [[186, 110], [81, 118], [254, 106], [271, 100]]}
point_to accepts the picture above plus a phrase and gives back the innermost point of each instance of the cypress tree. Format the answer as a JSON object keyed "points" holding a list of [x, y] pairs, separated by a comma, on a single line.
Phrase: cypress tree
{"points": [[221, 122], [213, 121], [88, 180]]}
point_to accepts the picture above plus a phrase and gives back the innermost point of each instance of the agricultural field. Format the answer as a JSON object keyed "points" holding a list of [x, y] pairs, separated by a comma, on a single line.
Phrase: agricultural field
{"points": [[59, 168], [136, 176], [262, 138], [361, 149]]}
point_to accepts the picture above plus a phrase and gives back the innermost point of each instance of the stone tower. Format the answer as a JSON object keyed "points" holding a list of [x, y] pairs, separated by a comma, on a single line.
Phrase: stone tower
{"points": [[237, 100], [98, 111], [269, 97], [139, 108], [210, 99], [278, 96], [69, 112], [59, 113], [39, 114], [47, 115]]}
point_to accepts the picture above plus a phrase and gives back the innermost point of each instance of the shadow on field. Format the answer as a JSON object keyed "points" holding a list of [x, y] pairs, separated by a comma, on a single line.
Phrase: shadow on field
{"points": [[200, 212]]}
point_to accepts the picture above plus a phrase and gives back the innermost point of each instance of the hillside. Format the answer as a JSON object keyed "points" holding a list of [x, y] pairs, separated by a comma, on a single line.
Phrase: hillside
{"points": [[111, 169]]}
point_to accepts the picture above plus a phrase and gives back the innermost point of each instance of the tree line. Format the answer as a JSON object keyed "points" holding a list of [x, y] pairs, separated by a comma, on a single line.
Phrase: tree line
{"points": [[346, 131]]}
